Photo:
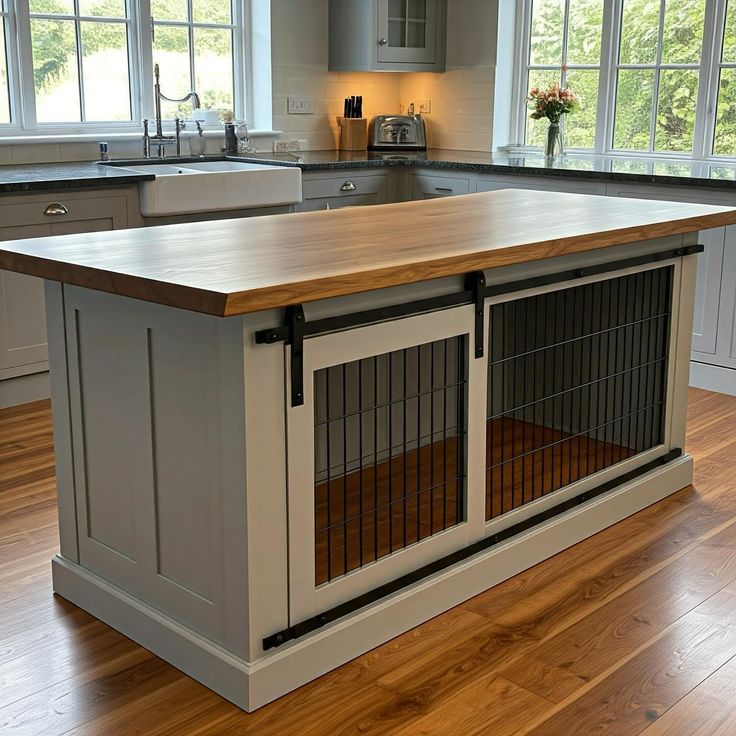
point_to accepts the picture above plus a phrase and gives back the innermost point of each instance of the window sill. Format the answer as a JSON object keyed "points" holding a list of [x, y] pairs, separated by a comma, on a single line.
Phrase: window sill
{"points": [[95, 137]]}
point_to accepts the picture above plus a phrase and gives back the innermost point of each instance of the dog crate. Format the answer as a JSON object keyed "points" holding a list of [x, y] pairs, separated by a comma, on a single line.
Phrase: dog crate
{"points": [[439, 434]]}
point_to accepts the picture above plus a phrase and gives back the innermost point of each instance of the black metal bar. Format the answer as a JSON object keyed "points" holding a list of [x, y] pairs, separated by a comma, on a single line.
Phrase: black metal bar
{"points": [[316, 622], [295, 320], [476, 283]]}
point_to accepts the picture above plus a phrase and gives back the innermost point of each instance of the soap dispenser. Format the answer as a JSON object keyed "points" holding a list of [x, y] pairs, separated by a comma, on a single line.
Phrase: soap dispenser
{"points": [[231, 140]]}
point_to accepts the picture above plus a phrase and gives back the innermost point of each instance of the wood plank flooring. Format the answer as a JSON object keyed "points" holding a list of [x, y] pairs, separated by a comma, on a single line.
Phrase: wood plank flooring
{"points": [[632, 631]]}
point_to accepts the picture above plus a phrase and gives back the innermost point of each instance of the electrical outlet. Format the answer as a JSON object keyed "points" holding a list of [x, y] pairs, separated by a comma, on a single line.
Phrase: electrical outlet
{"points": [[289, 146], [300, 106], [423, 106]]}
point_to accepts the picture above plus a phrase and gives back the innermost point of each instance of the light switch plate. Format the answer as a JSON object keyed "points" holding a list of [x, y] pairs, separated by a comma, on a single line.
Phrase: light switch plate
{"points": [[300, 106]]}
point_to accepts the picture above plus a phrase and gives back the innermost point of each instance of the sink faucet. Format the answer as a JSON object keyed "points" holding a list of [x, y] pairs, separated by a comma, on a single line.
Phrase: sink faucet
{"points": [[158, 138]]}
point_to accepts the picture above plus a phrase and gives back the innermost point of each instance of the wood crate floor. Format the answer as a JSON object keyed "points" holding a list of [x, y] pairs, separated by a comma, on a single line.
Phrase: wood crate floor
{"points": [[631, 631]]}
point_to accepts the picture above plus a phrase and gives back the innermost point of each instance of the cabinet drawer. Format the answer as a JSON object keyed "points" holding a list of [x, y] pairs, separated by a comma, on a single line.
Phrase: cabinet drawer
{"points": [[550, 184], [424, 186], [347, 186], [57, 210]]}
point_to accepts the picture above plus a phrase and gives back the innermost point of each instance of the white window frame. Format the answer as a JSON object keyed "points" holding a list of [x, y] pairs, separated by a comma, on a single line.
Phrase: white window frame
{"points": [[251, 77], [708, 79]]}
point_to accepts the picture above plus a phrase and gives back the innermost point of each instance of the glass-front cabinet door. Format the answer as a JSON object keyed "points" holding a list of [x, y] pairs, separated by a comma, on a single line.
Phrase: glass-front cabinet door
{"points": [[407, 31]]}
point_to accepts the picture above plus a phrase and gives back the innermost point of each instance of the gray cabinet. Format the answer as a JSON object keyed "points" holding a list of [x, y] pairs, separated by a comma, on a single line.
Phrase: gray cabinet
{"points": [[23, 349], [430, 186], [387, 35], [351, 189]]}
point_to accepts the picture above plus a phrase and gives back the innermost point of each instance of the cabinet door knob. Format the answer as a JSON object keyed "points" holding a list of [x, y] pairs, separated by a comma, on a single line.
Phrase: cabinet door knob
{"points": [[383, 41], [55, 209], [348, 186]]}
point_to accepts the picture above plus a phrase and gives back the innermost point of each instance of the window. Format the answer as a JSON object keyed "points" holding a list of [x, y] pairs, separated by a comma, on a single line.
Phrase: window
{"points": [[193, 42], [87, 65], [80, 60], [565, 48], [644, 71]]}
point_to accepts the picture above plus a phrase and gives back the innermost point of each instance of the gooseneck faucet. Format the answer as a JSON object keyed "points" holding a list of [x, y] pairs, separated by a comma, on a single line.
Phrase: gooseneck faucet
{"points": [[158, 95], [159, 138]]}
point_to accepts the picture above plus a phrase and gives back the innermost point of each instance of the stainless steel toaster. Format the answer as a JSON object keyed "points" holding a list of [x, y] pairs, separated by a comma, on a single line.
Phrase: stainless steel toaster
{"points": [[397, 132]]}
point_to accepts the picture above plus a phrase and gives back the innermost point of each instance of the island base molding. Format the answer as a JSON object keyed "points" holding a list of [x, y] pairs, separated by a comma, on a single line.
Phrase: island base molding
{"points": [[252, 685]]}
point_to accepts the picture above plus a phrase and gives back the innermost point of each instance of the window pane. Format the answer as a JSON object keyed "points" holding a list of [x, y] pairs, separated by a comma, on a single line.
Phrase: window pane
{"points": [[725, 140], [579, 126], [536, 130], [171, 53], [211, 11], [4, 99], [584, 32], [52, 7], [55, 72], [682, 37], [548, 17], [634, 91], [106, 8], [729, 37], [213, 67], [639, 32], [678, 91], [170, 10], [105, 70]]}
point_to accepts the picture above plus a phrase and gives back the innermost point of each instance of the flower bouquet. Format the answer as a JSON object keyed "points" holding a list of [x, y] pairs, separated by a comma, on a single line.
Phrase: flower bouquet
{"points": [[552, 104]]}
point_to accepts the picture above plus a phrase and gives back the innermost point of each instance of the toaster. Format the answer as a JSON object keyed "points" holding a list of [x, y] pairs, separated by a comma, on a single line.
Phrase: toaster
{"points": [[397, 132]]}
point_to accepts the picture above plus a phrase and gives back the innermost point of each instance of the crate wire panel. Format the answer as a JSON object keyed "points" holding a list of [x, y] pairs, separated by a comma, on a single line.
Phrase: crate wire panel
{"points": [[389, 443], [576, 383]]}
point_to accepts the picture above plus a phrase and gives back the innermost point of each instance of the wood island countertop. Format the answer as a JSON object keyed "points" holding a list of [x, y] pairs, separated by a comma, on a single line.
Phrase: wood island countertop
{"points": [[231, 267]]}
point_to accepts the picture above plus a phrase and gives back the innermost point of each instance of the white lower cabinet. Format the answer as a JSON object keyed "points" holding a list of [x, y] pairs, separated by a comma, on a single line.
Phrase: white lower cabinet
{"points": [[23, 348], [714, 326]]}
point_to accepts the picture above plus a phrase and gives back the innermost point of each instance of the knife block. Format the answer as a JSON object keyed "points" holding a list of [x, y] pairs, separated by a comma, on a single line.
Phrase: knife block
{"points": [[353, 134]]}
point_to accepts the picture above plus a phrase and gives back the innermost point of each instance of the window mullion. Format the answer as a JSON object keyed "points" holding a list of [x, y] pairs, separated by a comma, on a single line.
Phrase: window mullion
{"points": [[25, 89], [655, 96], [143, 25], [610, 39], [192, 77], [710, 72], [521, 69], [80, 63]]}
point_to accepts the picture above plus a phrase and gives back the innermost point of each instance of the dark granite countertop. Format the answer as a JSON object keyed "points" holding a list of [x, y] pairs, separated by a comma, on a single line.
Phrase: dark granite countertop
{"points": [[39, 177], [681, 172], [595, 168]]}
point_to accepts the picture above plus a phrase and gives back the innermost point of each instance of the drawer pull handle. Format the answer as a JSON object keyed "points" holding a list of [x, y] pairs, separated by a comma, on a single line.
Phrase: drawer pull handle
{"points": [[443, 189], [55, 210], [348, 186]]}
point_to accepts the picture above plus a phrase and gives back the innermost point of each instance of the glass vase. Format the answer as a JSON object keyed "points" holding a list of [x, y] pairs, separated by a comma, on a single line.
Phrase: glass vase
{"points": [[553, 146]]}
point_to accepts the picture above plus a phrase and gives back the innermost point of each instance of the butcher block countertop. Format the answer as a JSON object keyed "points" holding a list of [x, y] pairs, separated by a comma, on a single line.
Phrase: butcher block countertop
{"points": [[238, 266]]}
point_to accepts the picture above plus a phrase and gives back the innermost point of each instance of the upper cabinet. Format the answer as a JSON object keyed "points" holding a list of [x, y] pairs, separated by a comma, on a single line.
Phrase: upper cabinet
{"points": [[388, 35]]}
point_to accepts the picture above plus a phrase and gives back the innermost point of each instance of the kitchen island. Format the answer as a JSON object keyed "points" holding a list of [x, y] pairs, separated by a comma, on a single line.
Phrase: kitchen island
{"points": [[282, 441]]}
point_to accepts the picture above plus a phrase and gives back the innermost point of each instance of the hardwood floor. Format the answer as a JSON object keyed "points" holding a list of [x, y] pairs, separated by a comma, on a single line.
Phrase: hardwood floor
{"points": [[631, 631]]}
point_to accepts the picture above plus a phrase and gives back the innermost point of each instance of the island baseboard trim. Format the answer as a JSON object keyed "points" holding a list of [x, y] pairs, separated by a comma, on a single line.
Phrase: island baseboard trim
{"points": [[181, 647], [250, 685], [303, 628]]}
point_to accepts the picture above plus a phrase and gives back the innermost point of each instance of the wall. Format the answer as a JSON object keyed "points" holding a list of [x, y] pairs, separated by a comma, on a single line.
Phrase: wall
{"points": [[461, 117], [300, 54]]}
